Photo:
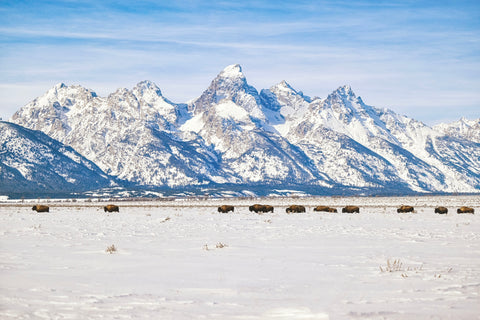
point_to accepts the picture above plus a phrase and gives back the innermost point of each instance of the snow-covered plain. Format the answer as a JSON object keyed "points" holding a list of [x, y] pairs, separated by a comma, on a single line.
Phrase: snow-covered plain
{"points": [[170, 263]]}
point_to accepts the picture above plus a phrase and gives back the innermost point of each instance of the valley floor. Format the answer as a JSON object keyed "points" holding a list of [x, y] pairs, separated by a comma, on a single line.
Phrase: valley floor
{"points": [[184, 260]]}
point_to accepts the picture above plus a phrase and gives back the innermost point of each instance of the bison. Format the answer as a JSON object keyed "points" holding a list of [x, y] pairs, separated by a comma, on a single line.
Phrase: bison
{"points": [[441, 210], [268, 208], [111, 208], [256, 208], [465, 210], [260, 208], [324, 208], [40, 208], [351, 209], [295, 209], [225, 208], [404, 209]]}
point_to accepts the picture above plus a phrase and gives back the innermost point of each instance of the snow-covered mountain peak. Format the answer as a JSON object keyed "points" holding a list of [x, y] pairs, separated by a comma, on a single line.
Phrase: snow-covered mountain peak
{"points": [[150, 93], [59, 85], [284, 98], [463, 128], [343, 100], [232, 71], [147, 86], [283, 86], [231, 79], [344, 92], [468, 123], [230, 85], [61, 90], [54, 103]]}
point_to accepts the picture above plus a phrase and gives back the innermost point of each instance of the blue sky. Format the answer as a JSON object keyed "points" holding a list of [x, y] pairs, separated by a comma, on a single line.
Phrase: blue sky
{"points": [[419, 58]]}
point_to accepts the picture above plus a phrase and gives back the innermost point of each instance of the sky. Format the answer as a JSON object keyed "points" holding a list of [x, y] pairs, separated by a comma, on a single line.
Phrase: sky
{"points": [[418, 58]]}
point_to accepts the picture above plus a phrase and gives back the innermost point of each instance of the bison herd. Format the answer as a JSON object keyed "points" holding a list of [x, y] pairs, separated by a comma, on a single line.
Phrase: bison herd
{"points": [[261, 208]]}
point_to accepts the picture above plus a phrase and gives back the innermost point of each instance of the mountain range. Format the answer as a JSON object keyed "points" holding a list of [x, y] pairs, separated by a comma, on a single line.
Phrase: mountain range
{"points": [[234, 136]]}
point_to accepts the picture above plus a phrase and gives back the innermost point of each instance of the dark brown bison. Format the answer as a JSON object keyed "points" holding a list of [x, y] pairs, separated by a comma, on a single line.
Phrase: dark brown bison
{"points": [[295, 209], [260, 208], [351, 209], [465, 210], [404, 209], [256, 208], [225, 208], [441, 210], [111, 208], [324, 209], [40, 208]]}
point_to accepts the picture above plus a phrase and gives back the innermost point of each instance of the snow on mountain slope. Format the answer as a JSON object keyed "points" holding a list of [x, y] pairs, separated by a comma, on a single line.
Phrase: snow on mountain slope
{"points": [[397, 143], [129, 134], [231, 134], [463, 128], [427, 144], [283, 105], [30, 161], [342, 159], [229, 117]]}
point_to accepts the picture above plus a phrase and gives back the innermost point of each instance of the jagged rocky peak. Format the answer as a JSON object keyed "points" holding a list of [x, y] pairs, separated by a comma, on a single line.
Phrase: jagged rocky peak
{"points": [[62, 90], [344, 93], [230, 80], [284, 88], [148, 92], [232, 71], [59, 86], [343, 99], [284, 97], [147, 86], [345, 90], [463, 128], [230, 85], [50, 108]]}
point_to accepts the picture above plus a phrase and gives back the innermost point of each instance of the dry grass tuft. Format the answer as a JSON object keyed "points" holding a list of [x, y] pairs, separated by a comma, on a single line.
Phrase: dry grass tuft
{"points": [[394, 266], [217, 246], [397, 266], [111, 249], [220, 245]]}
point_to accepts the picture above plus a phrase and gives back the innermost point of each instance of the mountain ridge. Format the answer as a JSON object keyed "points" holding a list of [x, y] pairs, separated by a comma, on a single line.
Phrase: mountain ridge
{"points": [[234, 134], [30, 161]]}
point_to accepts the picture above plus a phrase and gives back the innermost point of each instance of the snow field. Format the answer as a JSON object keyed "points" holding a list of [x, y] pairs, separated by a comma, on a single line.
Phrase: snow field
{"points": [[170, 263]]}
